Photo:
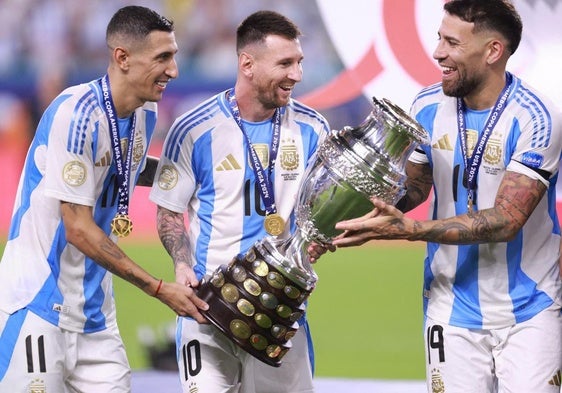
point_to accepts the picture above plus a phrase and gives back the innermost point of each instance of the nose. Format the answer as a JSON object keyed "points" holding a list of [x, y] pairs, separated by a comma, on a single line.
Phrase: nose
{"points": [[439, 52], [295, 73], [172, 69]]}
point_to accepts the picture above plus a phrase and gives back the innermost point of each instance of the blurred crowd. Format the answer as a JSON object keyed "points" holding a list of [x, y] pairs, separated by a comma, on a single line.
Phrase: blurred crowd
{"points": [[46, 45]]}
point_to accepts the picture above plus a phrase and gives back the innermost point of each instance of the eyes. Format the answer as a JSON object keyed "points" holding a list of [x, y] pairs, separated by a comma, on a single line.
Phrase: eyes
{"points": [[289, 63], [166, 56], [448, 41]]}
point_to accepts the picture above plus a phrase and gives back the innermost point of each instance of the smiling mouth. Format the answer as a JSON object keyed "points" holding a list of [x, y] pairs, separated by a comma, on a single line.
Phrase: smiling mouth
{"points": [[447, 70], [162, 84]]}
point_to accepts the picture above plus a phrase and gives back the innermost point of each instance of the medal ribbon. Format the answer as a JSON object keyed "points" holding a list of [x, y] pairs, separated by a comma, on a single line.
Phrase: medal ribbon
{"points": [[265, 184], [472, 164], [123, 169]]}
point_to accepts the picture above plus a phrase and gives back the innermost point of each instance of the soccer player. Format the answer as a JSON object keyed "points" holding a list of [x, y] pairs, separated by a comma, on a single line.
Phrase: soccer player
{"points": [[208, 168], [492, 290], [57, 312]]}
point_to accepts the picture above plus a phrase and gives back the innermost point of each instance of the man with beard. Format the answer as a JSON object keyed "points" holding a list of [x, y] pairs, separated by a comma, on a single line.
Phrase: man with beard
{"points": [[492, 290], [226, 163]]}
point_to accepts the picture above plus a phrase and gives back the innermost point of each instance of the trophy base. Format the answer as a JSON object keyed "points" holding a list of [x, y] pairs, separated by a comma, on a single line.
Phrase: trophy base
{"points": [[255, 305]]}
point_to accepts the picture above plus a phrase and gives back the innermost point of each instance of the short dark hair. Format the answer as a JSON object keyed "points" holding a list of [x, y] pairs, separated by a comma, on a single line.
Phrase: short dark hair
{"points": [[136, 22], [493, 15], [260, 24]]}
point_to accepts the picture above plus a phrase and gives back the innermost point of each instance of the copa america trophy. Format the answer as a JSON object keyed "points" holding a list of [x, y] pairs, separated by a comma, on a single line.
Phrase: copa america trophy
{"points": [[257, 299]]}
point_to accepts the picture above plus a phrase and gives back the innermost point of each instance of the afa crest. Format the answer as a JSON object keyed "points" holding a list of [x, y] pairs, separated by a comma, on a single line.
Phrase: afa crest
{"points": [[289, 156], [437, 384], [493, 152]]}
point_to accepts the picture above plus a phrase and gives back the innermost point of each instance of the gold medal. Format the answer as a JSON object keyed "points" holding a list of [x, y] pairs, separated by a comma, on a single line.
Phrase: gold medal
{"points": [[121, 225], [274, 224]]}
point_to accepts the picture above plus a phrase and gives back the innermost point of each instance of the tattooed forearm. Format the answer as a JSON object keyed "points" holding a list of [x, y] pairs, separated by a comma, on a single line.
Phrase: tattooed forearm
{"points": [[172, 232], [109, 259], [109, 247], [418, 186], [516, 199]]}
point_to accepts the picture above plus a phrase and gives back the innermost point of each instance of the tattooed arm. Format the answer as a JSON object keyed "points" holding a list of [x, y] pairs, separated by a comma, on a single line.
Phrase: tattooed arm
{"points": [[418, 186], [84, 234], [173, 235], [517, 197]]}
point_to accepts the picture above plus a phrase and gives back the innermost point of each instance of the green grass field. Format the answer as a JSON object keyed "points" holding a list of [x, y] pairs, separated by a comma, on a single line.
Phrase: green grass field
{"points": [[365, 313]]}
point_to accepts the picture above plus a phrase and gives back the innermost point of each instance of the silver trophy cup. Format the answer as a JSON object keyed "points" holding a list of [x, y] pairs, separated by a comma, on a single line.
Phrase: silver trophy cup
{"points": [[257, 299]]}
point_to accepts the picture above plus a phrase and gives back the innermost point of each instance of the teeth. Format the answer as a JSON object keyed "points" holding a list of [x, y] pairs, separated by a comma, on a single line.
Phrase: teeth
{"points": [[447, 69], [162, 84]]}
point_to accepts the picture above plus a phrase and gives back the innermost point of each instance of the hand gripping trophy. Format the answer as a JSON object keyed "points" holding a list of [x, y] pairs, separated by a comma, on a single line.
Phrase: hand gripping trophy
{"points": [[257, 299]]}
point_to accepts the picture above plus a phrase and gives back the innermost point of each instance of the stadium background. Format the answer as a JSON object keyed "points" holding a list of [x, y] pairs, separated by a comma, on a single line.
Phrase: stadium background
{"points": [[366, 310]]}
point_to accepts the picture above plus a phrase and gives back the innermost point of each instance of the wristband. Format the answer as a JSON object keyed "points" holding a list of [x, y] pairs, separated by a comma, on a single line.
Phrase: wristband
{"points": [[158, 288]]}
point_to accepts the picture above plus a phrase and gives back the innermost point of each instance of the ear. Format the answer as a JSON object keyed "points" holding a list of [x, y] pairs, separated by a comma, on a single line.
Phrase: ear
{"points": [[121, 58], [496, 50], [246, 64]]}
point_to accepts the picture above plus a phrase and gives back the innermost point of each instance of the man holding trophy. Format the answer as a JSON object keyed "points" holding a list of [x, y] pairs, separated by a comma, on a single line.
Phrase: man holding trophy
{"points": [[235, 163], [492, 290]]}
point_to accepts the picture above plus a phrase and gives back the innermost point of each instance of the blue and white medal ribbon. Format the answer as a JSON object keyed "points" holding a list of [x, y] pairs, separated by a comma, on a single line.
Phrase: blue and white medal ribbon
{"points": [[121, 225], [274, 223], [472, 164]]}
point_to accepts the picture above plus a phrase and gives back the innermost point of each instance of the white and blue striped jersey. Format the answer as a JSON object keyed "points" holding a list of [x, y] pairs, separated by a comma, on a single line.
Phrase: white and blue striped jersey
{"points": [[205, 170], [492, 285], [70, 159]]}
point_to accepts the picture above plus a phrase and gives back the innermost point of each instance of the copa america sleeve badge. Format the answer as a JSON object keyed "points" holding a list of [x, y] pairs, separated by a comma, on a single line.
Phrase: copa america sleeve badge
{"points": [[274, 224], [121, 225]]}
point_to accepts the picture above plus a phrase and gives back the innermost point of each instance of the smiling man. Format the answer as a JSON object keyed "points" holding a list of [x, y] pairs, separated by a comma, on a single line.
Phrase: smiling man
{"points": [[234, 163], [57, 312], [492, 290]]}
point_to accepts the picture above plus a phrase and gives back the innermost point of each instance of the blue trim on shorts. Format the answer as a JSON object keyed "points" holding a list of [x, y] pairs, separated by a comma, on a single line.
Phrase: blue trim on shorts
{"points": [[9, 338], [178, 338], [310, 344]]}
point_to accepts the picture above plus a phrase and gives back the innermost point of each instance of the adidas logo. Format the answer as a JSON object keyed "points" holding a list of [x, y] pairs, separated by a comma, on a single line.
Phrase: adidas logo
{"points": [[228, 164], [105, 160], [556, 379], [443, 143]]}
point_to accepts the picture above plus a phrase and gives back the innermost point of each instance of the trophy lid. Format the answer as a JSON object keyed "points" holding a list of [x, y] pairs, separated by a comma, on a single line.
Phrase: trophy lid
{"points": [[418, 133]]}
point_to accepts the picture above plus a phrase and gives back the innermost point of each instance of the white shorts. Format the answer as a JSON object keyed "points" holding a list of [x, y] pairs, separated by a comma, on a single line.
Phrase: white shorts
{"points": [[523, 358], [216, 365], [37, 356]]}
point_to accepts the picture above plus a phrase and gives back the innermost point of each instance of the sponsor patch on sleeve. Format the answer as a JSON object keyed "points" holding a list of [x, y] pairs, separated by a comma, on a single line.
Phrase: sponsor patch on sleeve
{"points": [[532, 159]]}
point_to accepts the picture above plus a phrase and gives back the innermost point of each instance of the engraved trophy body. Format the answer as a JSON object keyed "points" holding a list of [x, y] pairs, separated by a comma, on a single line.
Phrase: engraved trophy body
{"points": [[257, 299]]}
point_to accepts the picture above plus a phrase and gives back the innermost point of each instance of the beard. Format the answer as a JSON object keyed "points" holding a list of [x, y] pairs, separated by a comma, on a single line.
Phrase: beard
{"points": [[461, 87]]}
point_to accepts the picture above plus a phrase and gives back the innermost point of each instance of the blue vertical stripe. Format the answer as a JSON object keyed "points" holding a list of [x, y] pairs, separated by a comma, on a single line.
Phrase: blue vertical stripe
{"points": [[202, 164], [9, 338], [465, 287]]}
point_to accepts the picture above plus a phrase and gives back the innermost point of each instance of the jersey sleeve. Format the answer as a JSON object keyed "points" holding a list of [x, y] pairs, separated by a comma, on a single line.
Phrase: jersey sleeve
{"points": [[174, 164], [69, 168], [539, 144]]}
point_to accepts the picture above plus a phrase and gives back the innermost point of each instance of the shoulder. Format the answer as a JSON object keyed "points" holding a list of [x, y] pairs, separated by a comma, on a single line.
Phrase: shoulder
{"points": [[529, 101], [75, 107], [431, 104], [298, 111], [195, 123], [203, 116], [430, 95], [84, 97]]}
